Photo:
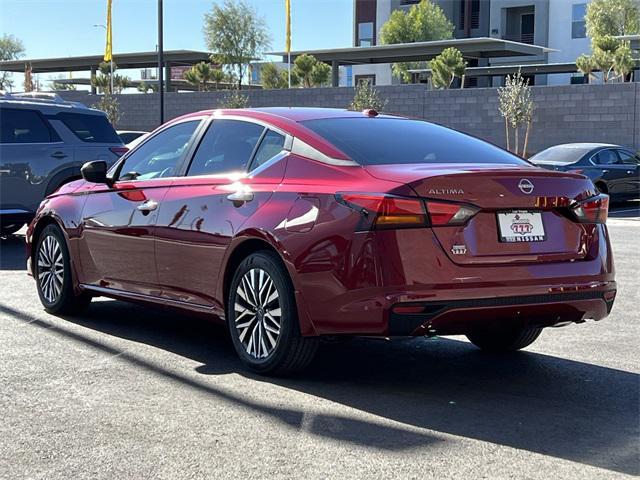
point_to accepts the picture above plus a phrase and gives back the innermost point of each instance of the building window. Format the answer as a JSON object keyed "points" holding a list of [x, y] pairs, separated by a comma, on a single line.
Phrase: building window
{"points": [[365, 34], [409, 2], [578, 27], [370, 79], [475, 13]]}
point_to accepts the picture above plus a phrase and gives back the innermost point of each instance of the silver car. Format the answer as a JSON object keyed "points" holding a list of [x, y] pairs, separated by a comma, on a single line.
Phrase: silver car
{"points": [[44, 141]]}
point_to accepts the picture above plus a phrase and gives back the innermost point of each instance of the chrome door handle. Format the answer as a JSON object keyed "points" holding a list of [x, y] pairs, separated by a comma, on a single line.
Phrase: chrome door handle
{"points": [[59, 155], [241, 196], [605, 171], [629, 172], [148, 206]]}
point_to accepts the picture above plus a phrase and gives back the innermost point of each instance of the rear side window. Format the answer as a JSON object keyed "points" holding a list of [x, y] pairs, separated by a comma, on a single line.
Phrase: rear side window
{"points": [[605, 157], [23, 126], [379, 141], [226, 147], [271, 145], [90, 128], [628, 158]]}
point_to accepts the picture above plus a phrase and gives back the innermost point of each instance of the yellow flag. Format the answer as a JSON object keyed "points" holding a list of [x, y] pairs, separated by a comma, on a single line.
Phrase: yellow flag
{"points": [[107, 51], [287, 6]]}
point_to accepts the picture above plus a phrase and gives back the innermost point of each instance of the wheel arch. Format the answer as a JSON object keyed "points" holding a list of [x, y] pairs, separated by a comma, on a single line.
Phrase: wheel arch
{"points": [[243, 246]]}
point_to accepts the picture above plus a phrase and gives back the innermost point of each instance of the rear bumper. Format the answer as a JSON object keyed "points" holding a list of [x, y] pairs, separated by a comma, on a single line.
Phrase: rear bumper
{"points": [[458, 317]]}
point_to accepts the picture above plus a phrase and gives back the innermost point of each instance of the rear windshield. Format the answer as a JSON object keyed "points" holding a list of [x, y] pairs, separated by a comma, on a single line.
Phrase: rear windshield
{"points": [[90, 128], [560, 155], [378, 141]]}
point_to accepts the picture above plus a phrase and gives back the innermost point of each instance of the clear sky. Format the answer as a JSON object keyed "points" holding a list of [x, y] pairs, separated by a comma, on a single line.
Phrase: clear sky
{"points": [[58, 28]]}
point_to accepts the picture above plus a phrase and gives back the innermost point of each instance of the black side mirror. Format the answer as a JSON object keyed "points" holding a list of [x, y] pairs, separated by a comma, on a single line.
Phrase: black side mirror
{"points": [[95, 172]]}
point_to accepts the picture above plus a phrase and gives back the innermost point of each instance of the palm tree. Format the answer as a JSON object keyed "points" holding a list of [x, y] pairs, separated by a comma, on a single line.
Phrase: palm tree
{"points": [[204, 72], [192, 77], [217, 77]]}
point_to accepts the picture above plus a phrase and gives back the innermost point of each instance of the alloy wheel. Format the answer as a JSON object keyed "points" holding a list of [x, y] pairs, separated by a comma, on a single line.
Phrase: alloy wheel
{"points": [[50, 269], [258, 313]]}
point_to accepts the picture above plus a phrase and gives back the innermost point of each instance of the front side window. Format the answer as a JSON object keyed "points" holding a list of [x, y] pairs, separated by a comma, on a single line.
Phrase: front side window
{"points": [[381, 141], [628, 158], [90, 128], [578, 26], [23, 126], [226, 147], [160, 155]]}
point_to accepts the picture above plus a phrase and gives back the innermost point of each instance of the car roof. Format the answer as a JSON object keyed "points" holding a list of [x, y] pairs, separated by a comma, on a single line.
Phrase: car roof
{"points": [[586, 146], [48, 107]]}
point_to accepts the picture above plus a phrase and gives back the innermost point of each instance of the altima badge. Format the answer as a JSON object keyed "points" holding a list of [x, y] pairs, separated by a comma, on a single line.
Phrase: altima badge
{"points": [[459, 249], [525, 186]]}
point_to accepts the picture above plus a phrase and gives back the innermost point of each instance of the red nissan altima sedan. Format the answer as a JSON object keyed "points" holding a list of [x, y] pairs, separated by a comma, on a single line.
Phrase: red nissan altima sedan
{"points": [[291, 225]]}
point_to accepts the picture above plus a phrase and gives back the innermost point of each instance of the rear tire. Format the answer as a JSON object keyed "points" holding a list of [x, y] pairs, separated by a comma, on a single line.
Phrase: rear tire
{"points": [[53, 274], [263, 320], [6, 230], [500, 341], [602, 188]]}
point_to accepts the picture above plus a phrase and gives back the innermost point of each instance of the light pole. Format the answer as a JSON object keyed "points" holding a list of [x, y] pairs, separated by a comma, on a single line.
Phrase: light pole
{"points": [[111, 62], [160, 62]]}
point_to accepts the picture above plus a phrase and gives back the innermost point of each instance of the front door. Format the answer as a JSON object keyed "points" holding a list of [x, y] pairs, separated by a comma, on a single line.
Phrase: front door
{"points": [[117, 243], [204, 210]]}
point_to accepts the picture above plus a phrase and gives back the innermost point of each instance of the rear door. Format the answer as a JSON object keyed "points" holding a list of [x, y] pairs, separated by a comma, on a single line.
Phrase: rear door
{"points": [[30, 154], [199, 215], [117, 241]]}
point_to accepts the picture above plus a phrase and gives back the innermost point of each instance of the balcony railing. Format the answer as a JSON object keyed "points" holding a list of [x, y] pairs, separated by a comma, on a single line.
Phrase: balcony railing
{"points": [[520, 37]]}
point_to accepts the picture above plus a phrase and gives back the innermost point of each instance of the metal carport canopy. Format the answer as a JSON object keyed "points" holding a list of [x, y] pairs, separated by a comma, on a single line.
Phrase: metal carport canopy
{"points": [[90, 62], [481, 47]]}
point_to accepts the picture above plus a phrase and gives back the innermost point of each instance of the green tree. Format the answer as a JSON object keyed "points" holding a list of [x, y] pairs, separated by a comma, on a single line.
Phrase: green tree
{"points": [[446, 67], [57, 85], [271, 78], [423, 22], [204, 72], [191, 76], [237, 34], [623, 61], [11, 48], [217, 77], [586, 64], [309, 72], [516, 107], [613, 17], [365, 97]]}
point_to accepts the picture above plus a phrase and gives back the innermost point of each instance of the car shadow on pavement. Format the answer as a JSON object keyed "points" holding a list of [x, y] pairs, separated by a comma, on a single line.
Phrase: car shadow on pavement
{"points": [[544, 404], [12, 253]]}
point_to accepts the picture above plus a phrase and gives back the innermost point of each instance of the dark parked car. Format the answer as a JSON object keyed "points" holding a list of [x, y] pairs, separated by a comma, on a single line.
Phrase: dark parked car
{"points": [[296, 224], [128, 136], [43, 143], [613, 169]]}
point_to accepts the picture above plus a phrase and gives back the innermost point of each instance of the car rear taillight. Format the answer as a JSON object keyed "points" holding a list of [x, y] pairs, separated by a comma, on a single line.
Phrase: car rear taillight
{"points": [[592, 210], [577, 170], [389, 211], [449, 213], [119, 151]]}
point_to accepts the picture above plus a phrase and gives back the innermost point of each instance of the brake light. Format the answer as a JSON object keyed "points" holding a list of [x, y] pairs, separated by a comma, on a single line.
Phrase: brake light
{"points": [[577, 170], [119, 151], [387, 211], [592, 210], [449, 213]]}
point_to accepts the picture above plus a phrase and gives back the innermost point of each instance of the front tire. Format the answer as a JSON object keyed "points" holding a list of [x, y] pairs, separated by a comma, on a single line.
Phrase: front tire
{"points": [[263, 320], [501, 341], [53, 274]]}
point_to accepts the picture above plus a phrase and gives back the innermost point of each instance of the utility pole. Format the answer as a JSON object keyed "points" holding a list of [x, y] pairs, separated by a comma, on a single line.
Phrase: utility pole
{"points": [[160, 63]]}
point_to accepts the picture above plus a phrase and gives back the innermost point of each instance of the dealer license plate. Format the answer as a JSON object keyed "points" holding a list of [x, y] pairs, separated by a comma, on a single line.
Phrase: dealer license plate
{"points": [[521, 226]]}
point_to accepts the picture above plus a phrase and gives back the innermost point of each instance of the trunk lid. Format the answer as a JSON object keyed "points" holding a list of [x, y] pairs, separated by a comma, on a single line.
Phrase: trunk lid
{"points": [[527, 195]]}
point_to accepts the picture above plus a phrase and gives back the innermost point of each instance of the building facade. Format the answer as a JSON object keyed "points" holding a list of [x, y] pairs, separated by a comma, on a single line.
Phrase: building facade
{"points": [[557, 24]]}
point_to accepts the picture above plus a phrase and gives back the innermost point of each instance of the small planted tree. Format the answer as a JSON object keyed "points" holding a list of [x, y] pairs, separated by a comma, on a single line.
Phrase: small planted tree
{"points": [[516, 107], [234, 99], [109, 104], [366, 96], [446, 67], [11, 48], [271, 78]]}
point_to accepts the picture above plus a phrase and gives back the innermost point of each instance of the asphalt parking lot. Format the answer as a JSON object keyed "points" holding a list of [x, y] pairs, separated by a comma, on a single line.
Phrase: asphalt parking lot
{"points": [[129, 392]]}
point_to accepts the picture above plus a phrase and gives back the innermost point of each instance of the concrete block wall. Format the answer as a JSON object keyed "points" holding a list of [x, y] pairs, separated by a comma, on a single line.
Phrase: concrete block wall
{"points": [[571, 113]]}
